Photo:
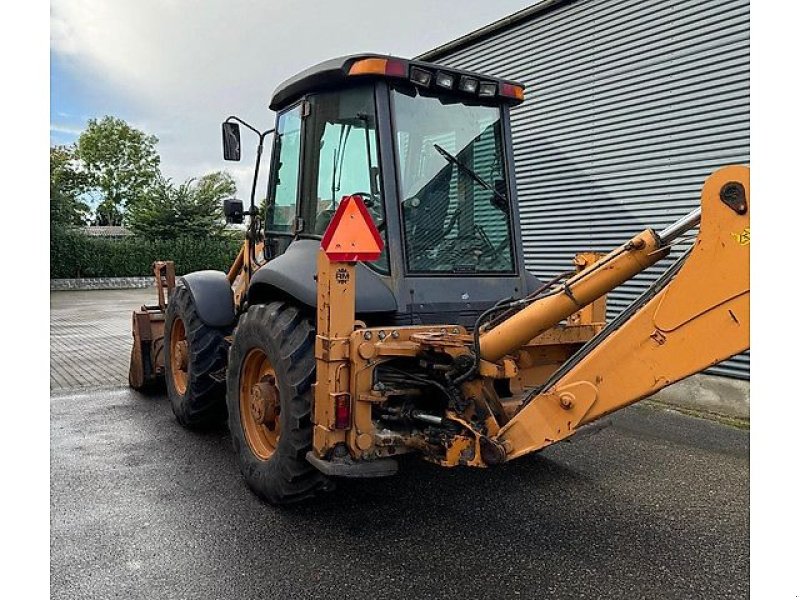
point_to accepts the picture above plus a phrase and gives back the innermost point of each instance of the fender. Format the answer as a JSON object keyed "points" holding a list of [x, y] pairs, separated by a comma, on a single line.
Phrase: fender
{"points": [[212, 295], [293, 274]]}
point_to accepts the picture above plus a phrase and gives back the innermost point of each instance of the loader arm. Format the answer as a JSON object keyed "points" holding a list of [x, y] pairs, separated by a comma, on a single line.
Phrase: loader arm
{"points": [[697, 319]]}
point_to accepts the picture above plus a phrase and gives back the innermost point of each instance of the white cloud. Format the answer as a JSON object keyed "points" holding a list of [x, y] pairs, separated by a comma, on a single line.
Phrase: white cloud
{"points": [[185, 66], [54, 127]]}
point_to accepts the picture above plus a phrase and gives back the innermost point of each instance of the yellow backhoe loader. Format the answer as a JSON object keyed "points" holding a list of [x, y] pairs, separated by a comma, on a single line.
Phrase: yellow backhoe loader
{"points": [[380, 304]]}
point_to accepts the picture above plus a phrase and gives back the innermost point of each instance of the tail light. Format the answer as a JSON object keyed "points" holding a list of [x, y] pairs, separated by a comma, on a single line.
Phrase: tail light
{"points": [[341, 403]]}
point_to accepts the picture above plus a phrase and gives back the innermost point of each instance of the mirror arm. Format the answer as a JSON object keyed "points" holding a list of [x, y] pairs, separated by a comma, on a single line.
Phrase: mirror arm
{"points": [[251, 231], [250, 127], [259, 151], [261, 135]]}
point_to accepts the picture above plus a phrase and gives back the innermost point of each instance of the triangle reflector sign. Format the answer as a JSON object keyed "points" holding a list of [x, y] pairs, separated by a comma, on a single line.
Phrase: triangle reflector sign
{"points": [[352, 235]]}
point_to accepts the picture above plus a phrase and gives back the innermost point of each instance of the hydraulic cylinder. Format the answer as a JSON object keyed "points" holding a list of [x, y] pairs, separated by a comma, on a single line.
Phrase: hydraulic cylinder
{"points": [[580, 290]]}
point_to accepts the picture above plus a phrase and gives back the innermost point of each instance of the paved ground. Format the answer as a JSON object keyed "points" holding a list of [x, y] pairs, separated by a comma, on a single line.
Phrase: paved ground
{"points": [[655, 506], [90, 336]]}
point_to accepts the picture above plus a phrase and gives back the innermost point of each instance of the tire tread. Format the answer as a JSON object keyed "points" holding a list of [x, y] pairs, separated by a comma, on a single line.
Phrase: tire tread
{"points": [[287, 335], [203, 404]]}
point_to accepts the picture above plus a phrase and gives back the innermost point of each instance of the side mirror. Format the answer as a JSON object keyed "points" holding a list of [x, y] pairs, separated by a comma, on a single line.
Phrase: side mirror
{"points": [[234, 210], [231, 141]]}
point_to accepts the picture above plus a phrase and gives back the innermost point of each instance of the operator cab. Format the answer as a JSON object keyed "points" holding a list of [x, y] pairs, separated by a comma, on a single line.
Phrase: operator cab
{"points": [[428, 149]]}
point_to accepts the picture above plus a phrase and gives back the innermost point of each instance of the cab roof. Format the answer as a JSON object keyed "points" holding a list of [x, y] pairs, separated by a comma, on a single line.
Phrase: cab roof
{"points": [[337, 72]]}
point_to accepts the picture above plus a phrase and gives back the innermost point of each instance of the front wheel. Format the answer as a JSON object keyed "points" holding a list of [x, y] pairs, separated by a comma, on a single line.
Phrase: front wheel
{"points": [[271, 369], [193, 353]]}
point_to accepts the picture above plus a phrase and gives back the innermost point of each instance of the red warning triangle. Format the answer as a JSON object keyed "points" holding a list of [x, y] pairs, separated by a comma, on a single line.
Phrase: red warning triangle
{"points": [[352, 235]]}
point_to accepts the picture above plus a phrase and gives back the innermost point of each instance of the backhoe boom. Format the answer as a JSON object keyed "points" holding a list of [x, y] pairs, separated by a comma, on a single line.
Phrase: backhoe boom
{"points": [[700, 318]]}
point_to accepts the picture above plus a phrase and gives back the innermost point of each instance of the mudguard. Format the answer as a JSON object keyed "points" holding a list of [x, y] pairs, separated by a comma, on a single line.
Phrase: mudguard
{"points": [[293, 274], [212, 296]]}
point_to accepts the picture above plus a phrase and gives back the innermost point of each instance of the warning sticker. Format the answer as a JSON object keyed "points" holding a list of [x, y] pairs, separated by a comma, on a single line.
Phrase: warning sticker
{"points": [[742, 238]]}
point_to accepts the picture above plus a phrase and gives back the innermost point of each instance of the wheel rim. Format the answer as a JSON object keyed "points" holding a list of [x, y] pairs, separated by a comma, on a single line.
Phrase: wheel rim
{"points": [[179, 356], [259, 404]]}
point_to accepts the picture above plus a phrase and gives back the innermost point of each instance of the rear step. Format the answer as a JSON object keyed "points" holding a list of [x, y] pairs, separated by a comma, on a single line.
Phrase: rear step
{"points": [[356, 469]]}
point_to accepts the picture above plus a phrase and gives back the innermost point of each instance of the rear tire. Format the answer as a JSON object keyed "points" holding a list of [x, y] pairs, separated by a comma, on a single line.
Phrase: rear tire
{"points": [[273, 346], [192, 352]]}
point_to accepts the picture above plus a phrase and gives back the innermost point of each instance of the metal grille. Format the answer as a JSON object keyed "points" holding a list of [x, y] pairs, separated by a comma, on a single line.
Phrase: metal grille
{"points": [[629, 106]]}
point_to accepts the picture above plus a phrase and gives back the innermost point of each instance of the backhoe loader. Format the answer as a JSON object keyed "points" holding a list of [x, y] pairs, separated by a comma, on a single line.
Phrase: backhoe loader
{"points": [[380, 305]]}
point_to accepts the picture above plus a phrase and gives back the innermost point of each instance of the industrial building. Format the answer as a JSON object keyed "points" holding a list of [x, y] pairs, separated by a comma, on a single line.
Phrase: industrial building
{"points": [[629, 105]]}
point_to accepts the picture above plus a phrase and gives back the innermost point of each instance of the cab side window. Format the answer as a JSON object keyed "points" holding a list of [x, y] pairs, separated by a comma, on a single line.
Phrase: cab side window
{"points": [[286, 168]]}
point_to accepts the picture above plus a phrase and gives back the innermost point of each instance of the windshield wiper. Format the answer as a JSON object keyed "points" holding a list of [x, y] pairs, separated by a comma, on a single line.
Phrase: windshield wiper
{"points": [[475, 177]]}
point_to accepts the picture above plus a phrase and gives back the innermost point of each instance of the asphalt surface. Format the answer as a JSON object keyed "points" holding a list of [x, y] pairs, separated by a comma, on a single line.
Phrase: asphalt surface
{"points": [[655, 506]]}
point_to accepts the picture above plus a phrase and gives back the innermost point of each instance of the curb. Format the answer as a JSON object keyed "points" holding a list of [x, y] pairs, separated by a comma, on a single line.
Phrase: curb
{"points": [[710, 395]]}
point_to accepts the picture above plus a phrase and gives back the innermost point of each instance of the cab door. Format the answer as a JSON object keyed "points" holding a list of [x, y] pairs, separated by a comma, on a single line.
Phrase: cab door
{"points": [[284, 182]]}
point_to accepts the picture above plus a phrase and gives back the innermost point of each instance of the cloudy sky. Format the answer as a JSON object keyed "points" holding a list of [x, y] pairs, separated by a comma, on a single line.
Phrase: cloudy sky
{"points": [[177, 68]]}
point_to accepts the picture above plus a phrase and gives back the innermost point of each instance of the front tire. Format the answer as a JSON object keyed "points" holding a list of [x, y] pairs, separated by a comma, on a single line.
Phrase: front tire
{"points": [[193, 351], [270, 373]]}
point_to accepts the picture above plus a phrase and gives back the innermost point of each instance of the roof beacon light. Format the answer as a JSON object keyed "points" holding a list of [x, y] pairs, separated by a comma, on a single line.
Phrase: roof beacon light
{"points": [[487, 90], [392, 67], [420, 76], [510, 90], [445, 80], [468, 84]]}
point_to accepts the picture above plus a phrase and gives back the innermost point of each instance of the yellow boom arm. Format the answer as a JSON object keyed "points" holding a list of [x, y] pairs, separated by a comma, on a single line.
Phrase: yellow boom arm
{"points": [[698, 319]]}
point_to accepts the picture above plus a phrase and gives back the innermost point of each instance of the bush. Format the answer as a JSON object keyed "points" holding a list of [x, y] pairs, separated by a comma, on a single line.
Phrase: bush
{"points": [[73, 254]]}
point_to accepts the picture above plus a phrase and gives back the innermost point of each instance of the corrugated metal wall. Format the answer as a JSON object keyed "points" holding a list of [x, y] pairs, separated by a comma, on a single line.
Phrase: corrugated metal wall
{"points": [[629, 106]]}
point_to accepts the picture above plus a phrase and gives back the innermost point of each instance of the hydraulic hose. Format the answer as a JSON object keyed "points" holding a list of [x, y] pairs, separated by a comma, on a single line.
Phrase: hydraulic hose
{"points": [[582, 289]]}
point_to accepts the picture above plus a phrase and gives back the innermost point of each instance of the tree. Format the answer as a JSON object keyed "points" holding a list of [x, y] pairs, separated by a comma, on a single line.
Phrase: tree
{"points": [[67, 184], [193, 208], [121, 164], [107, 213]]}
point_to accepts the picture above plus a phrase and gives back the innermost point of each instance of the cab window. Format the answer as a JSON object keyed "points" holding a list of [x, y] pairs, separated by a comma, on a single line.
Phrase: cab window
{"points": [[286, 171], [341, 160]]}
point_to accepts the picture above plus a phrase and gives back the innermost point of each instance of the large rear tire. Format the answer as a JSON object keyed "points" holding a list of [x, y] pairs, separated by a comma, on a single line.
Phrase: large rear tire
{"points": [[193, 351], [271, 369]]}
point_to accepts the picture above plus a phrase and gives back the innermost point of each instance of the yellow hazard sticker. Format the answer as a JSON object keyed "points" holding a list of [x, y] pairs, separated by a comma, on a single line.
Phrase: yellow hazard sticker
{"points": [[742, 238]]}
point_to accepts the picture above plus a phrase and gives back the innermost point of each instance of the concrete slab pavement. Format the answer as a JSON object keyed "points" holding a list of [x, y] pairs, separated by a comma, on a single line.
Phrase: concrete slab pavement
{"points": [[90, 336]]}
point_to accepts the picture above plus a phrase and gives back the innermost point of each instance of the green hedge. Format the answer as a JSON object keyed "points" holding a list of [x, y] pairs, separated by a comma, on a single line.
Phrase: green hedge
{"points": [[73, 254]]}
